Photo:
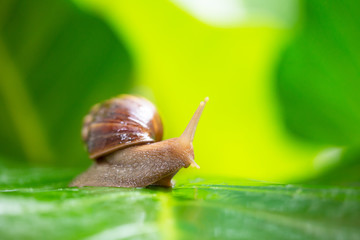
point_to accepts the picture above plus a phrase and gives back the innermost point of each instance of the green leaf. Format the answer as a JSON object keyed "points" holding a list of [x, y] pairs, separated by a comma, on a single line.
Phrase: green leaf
{"points": [[344, 172], [213, 208], [55, 62], [318, 78]]}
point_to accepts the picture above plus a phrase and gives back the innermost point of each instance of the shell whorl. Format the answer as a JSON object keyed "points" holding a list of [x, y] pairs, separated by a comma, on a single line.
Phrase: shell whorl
{"points": [[120, 122]]}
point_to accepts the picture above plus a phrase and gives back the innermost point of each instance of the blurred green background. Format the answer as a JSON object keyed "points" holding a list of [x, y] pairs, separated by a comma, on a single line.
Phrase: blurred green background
{"points": [[278, 143], [282, 77]]}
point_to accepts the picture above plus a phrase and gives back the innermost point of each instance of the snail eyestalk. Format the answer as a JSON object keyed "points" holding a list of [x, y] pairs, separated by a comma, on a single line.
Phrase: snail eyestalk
{"points": [[188, 135]]}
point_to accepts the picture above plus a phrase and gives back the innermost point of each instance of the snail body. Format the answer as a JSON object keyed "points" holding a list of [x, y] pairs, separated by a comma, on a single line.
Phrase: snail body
{"points": [[123, 135]]}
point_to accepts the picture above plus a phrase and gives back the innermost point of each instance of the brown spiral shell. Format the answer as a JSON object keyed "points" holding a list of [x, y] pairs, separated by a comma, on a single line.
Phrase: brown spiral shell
{"points": [[120, 122]]}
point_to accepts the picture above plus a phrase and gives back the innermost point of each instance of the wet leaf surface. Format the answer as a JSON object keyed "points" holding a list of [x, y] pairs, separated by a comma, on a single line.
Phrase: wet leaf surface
{"points": [[36, 203]]}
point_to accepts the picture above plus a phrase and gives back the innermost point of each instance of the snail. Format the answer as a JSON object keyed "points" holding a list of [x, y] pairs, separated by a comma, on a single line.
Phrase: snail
{"points": [[123, 135]]}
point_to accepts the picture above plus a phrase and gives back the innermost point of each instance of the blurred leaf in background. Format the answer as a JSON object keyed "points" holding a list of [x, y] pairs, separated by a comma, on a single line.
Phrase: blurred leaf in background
{"points": [[319, 81], [318, 78], [55, 62], [344, 171]]}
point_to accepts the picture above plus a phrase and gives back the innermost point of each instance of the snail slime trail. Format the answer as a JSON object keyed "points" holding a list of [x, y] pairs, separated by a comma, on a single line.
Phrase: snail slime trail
{"points": [[124, 137]]}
